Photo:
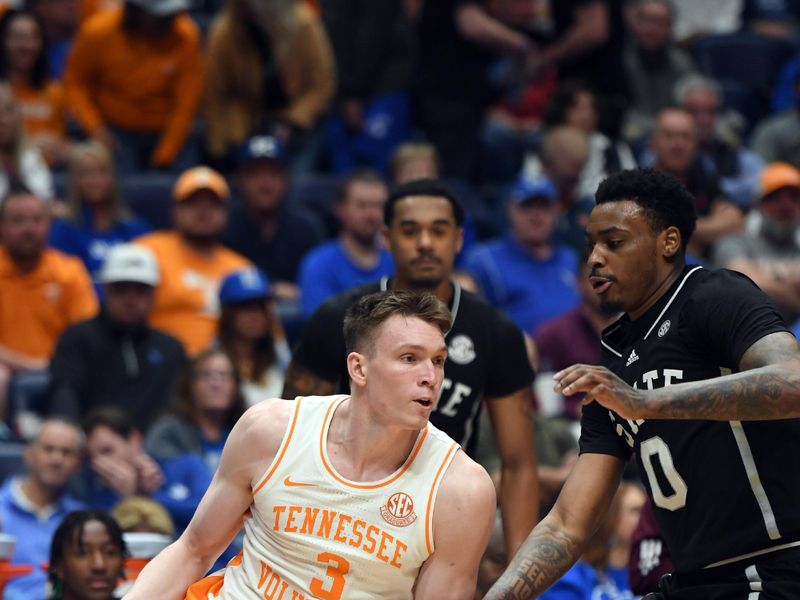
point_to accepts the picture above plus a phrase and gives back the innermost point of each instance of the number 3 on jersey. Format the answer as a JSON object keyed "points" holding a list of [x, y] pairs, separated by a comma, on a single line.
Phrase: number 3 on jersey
{"points": [[338, 567]]}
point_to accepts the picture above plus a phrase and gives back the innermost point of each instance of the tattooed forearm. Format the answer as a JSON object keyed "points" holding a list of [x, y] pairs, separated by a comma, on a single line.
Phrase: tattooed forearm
{"points": [[302, 382], [768, 387], [545, 556]]}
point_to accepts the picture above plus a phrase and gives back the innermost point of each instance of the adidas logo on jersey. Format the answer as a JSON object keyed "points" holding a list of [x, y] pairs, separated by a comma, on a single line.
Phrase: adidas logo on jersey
{"points": [[632, 358]]}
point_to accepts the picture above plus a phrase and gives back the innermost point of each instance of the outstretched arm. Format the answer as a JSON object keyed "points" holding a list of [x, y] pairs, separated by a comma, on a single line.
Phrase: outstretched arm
{"points": [[253, 442], [767, 387], [462, 522], [558, 540]]}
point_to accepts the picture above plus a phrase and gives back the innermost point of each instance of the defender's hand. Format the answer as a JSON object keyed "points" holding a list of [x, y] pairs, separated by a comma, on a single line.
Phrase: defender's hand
{"points": [[601, 385]]}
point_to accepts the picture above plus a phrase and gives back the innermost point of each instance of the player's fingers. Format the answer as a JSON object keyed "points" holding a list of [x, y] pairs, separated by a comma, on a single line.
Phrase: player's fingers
{"points": [[583, 382]]}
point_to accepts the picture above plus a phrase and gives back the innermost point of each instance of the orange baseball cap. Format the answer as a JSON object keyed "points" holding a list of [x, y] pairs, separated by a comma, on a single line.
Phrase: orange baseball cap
{"points": [[200, 178], [777, 175]]}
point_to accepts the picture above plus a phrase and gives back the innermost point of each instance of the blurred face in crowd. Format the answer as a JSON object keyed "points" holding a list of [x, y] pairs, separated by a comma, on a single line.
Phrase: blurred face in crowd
{"points": [[630, 507], [253, 319], [24, 226], [418, 167], [10, 120], [651, 25], [263, 184], [781, 212], [23, 43], [201, 218], [424, 239], [674, 141], [565, 169], [532, 222], [94, 177], [214, 384], [128, 303], [361, 210], [583, 113], [104, 441], [91, 564], [55, 455], [703, 105]]}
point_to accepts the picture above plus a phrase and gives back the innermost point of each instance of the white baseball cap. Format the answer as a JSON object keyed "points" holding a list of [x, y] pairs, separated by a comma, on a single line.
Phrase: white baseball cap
{"points": [[130, 263], [161, 8]]}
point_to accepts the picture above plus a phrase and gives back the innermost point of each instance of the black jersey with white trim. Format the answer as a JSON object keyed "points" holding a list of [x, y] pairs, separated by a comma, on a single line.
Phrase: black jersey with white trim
{"points": [[486, 357], [722, 490]]}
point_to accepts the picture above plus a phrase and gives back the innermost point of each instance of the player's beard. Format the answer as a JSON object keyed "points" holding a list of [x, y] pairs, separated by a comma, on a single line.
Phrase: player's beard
{"points": [[610, 308]]}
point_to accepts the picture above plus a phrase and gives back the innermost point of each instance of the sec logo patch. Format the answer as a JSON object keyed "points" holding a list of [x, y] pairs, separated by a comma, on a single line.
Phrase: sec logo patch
{"points": [[461, 350], [662, 331], [399, 510]]}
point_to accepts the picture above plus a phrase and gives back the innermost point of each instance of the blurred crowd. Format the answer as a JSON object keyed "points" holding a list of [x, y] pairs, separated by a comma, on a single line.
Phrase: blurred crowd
{"points": [[184, 183]]}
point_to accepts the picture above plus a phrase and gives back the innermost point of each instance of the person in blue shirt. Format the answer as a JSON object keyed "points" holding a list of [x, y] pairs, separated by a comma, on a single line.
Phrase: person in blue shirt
{"points": [[526, 273], [602, 571], [358, 254], [32, 505], [119, 468], [97, 218]]}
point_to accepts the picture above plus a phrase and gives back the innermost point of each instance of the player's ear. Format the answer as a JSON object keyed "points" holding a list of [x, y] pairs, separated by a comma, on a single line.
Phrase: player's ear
{"points": [[357, 368], [670, 242]]}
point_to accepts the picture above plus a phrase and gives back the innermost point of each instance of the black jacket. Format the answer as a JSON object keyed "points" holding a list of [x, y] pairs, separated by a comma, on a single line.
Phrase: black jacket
{"points": [[99, 363]]}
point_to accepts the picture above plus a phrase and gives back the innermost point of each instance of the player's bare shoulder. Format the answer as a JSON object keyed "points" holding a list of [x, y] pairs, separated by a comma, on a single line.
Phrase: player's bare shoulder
{"points": [[257, 436], [467, 487]]}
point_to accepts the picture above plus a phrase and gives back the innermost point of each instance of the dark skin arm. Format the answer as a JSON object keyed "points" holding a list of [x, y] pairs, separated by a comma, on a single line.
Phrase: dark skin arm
{"points": [[767, 387], [302, 382], [558, 540]]}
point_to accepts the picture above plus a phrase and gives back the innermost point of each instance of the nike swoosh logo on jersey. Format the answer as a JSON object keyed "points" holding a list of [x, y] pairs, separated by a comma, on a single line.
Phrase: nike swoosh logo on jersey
{"points": [[289, 483]]}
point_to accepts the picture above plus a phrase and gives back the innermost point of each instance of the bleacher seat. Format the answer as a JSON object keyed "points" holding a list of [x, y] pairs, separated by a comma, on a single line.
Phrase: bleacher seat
{"points": [[149, 196], [744, 63], [12, 460]]}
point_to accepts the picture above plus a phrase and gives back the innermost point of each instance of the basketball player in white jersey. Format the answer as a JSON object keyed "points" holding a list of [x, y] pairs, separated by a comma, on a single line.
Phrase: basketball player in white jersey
{"points": [[350, 497]]}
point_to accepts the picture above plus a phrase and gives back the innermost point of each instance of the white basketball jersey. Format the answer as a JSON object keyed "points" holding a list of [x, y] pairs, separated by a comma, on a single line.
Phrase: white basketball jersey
{"points": [[314, 534]]}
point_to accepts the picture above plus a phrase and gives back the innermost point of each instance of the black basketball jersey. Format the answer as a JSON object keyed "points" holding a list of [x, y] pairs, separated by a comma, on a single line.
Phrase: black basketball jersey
{"points": [[722, 491], [486, 357]]}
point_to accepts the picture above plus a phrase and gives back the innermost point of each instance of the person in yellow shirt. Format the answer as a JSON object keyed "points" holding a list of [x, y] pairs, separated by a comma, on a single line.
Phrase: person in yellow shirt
{"points": [[192, 260], [41, 290], [134, 80]]}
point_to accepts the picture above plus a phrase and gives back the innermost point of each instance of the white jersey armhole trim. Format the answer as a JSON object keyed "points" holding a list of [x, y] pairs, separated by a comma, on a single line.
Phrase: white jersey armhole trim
{"points": [[437, 480], [287, 437]]}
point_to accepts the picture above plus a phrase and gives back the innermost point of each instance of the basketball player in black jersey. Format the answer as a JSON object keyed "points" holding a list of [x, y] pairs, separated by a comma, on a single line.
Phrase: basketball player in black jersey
{"points": [[701, 380], [486, 363]]}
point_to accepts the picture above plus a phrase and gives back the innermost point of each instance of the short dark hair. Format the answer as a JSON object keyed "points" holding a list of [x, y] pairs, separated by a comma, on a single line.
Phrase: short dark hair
{"points": [[369, 312], [70, 531], [362, 175], [664, 200], [113, 417], [422, 187]]}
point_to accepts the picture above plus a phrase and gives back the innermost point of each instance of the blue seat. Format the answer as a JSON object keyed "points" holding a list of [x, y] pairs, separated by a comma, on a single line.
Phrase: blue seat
{"points": [[316, 193], [744, 63], [149, 196], [12, 459]]}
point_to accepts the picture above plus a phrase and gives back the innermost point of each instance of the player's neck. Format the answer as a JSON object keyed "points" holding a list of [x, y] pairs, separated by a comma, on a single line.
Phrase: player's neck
{"points": [[362, 450], [660, 288], [443, 290]]}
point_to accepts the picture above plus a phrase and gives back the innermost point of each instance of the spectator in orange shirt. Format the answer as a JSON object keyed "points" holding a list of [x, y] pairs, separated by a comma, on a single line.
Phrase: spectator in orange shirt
{"points": [[23, 63], [192, 260], [21, 163], [41, 290], [134, 80]]}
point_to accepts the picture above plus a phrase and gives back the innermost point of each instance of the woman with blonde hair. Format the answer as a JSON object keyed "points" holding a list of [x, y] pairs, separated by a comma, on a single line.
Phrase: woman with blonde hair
{"points": [[269, 69], [96, 218]]}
